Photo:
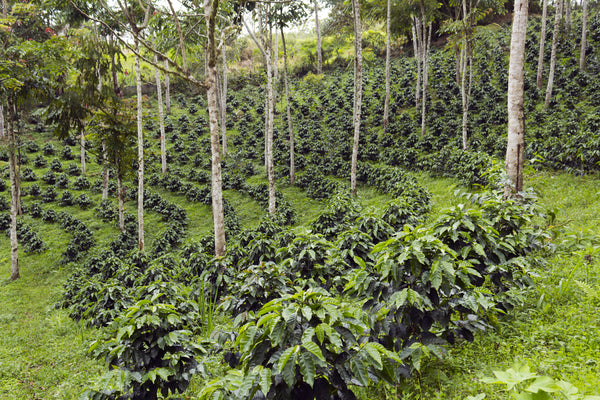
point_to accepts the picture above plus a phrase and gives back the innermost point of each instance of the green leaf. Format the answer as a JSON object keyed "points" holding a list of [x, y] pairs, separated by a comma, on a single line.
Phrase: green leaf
{"points": [[313, 348], [307, 312], [307, 367], [374, 355], [286, 365], [360, 371], [265, 380], [320, 332], [543, 383]]}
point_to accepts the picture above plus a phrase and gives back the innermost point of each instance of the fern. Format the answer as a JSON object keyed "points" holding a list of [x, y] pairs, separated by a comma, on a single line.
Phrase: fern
{"points": [[591, 292]]}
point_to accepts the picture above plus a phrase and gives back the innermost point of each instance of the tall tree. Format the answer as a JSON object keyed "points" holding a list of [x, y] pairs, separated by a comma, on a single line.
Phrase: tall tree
{"points": [[540, 66], [132, 18], [167, 88], [223, 105], [161, 119], [555, 37], [210, 8], [582, 51], [319, 43], [515, 149], [357, 93], [264, 45], [388, 38]]}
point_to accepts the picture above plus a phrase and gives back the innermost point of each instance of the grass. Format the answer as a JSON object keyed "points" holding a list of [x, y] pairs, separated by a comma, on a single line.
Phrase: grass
{"points": [[43, 352]]}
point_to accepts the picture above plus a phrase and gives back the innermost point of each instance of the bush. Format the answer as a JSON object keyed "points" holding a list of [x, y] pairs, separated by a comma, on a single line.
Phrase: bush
{"points": [[49, 194], [84, 201], [56, 165], [39, 161], [81, 183], [156, 351], [66, 199], [67, 154], [62, 181], [28, 175], [48, 149]]}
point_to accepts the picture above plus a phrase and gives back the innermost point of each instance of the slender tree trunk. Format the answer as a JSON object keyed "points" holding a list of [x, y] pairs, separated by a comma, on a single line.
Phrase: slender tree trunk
{"points": [[516, 120], [275, 37], [14, 197], [555, 34], [425, 77], [466, 61], [2, 132], [416, 32], [105, 172], [113, 69], [270, 117], [583, 36], [210, 7], [388, 38], [167, 89], [4, 9], [224, 100], [161, 119], [540, 66], [82, 152], [357, 93], [120, 196], [140, 132], [288, 109], [319, 44], [567, 6]]}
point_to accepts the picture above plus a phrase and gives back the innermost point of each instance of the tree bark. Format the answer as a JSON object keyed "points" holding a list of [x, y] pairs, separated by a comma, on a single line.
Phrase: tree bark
{"points": [[357, 93], [466, 61], [2, 132], [14, 197], [140, 132], [210, 8], [4, 9], [388, 29], [555, 34], [516, 119], [270, 117], [319, 44], [567, 6], [167, 89], [540, 66], [224, 100], [416, 33], [120, 195], [583, 35], [288, 110], [105, 172], [82, 152], [161, 119], [426, 49]]}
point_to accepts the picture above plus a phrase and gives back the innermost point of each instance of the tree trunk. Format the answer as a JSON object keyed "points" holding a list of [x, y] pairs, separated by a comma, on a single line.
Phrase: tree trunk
{"points": [[540, 66], [4, 9], [161, 119], [2, 133], [426, 49], [113, 65], [466, 61], [583, 36], [270, 117], [555, 33], [167, 89], [120, 196], [416, 33], [210, 8], [567, 6], [224, 100], [14, 198], [516, 120], [105, 172], [82, 152], [288, 109], [357, 93], [319, 44], [388, 38], [140, 132]]}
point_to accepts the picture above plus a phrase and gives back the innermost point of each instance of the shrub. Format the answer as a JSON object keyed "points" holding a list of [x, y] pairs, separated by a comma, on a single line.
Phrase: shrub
{"points": [[81, 183], [66, 199], [49, 194], [28, 175], [56, 165], [48, 149], [62, 181], [84, 201], [67, 154], [39, 161], [150, 346]]}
